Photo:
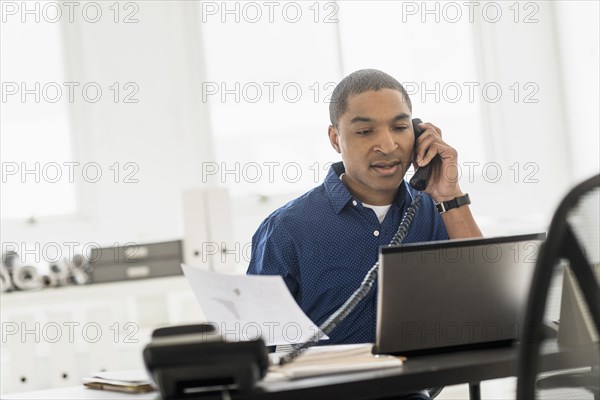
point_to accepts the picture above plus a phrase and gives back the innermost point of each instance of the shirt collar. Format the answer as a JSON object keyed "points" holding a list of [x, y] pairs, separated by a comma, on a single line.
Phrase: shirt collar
{"points": [[339, 196]]}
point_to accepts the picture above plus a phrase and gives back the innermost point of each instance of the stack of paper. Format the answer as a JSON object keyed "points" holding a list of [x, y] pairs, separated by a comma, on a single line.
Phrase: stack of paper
{"points": [[132, 381], [324, 360]]}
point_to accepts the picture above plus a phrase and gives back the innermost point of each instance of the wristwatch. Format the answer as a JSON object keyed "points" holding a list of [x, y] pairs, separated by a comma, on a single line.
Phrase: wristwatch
{"points": [[454, 203]]}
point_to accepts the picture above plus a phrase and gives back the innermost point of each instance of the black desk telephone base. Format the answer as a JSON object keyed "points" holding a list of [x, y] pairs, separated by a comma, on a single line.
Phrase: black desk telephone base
{"points": [[187, 361]]}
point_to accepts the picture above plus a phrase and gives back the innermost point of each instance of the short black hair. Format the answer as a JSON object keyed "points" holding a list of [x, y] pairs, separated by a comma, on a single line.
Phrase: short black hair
{"points": [[359, 82]]}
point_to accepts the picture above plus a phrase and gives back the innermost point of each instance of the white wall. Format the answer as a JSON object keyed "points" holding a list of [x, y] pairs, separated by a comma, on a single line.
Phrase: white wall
{"points": [[524, 136], [165, 134], [168, 132], [578, 37]]}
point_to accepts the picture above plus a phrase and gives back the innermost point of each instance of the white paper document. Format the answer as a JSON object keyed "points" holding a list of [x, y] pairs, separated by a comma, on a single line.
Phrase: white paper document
{"points": [[134, 376], [336, 359], [245, 307]]}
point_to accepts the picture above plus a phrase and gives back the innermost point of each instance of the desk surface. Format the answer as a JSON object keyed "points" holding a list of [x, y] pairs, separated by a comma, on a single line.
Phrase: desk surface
{"points": [[416, 373]]}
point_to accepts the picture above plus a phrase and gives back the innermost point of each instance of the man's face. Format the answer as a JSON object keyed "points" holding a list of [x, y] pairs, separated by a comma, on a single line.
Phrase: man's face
{"points": [[375, 138]]}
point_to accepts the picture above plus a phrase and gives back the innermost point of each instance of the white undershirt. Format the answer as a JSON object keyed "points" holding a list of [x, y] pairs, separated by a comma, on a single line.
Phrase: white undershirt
{"points": [[380, 211]]}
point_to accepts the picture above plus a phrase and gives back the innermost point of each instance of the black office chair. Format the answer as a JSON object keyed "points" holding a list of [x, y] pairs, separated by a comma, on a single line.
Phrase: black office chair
{"points": [[572, 237]]}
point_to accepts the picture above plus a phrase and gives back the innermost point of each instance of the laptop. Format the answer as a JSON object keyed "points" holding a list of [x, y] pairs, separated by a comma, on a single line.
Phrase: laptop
{"points": [[455, 294]]}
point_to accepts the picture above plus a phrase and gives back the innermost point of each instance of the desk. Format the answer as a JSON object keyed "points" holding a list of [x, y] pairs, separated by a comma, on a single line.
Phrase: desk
{"points": [[416, 373]]}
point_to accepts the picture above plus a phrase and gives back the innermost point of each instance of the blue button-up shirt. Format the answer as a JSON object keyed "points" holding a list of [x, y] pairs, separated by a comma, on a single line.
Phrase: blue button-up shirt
{"points": [[324, 242]]}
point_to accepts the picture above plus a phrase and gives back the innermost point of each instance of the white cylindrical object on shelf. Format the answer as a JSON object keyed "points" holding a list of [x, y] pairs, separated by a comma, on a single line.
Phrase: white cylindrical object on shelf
{"points": [[5, 280], [60, 272], [26, 277]]}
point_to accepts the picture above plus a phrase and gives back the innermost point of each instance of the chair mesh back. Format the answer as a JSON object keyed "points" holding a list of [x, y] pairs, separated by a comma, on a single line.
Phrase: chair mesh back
{"points": [[577, 326], [567, 274]]}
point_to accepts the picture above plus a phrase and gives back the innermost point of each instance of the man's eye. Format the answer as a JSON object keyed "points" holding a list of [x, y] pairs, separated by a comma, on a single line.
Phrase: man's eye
{"points": [[400, 128], [363, 133]]}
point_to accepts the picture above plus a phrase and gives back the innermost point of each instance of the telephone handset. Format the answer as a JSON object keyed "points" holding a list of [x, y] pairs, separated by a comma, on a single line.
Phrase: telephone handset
{"points": [[421, 177]]}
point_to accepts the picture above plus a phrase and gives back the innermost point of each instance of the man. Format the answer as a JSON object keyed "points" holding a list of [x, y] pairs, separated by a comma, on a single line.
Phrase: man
{"points": [[324, 242]]}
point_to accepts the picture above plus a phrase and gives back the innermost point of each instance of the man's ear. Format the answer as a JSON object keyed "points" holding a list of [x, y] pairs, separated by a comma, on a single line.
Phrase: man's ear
{"points": [[334, 138]]}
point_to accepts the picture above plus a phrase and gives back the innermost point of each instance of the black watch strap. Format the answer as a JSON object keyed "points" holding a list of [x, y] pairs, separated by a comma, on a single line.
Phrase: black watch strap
{"points": [[454, 203]]}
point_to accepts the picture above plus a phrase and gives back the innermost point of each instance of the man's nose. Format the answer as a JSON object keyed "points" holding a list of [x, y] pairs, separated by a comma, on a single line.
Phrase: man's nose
{"points": [[386, 142]]}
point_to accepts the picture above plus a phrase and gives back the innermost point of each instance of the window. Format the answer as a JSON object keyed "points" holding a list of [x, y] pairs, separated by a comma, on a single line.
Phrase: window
{"points": [[35, 139], [424, 58], [267, 89], [271, 72]]}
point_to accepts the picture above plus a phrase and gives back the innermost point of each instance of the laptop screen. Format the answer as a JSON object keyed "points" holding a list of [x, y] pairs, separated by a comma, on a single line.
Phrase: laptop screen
{"points": [[451, 294]]}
